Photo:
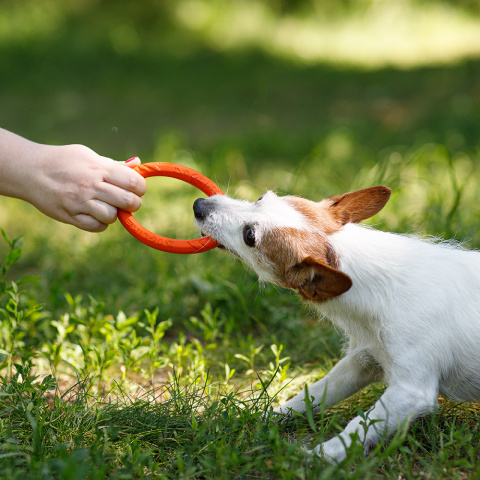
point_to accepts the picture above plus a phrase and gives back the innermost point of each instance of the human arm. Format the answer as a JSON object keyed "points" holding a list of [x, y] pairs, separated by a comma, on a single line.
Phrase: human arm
{"points": [[70, 183]]}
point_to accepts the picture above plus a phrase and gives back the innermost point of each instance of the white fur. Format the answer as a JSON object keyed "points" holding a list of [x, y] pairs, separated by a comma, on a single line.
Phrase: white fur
{"points": [[412, 319], [229, 215]]}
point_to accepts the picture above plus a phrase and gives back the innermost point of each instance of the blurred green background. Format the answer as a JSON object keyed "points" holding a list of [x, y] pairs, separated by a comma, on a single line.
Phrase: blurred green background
{"points": [[307, 97]]}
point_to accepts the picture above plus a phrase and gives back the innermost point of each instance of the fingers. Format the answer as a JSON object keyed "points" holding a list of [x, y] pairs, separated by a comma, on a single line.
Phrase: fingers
{"points": [[133, 162], [95, 216], [118, 197], [117, 174], [101, 211], [121, 188], [88, 223]]}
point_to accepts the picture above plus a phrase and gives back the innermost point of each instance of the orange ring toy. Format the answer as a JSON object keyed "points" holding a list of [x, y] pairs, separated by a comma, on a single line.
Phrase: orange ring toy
{"points": [[163, 169]]}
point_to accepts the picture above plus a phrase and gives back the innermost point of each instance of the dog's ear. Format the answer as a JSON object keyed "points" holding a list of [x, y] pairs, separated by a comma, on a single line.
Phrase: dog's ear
{"points": [[315, 280], [356, 206]]}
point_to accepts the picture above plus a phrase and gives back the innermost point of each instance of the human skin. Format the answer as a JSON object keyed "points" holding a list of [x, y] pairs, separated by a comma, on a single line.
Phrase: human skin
{"points": [[69, 183]]}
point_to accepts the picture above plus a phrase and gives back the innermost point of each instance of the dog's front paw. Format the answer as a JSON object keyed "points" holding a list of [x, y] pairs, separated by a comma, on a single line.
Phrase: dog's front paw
{"points": [[276, 415], [282, 411], [332, 451], [282, 414]]}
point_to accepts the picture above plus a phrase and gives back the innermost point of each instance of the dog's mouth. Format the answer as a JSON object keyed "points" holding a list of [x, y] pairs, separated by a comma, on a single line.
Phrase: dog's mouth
{"points": [[219, 246]]}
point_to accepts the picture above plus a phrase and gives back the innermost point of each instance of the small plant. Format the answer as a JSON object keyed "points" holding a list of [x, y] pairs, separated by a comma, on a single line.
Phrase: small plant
{"points": [[156, 330], [15, 317], [249, 359]]}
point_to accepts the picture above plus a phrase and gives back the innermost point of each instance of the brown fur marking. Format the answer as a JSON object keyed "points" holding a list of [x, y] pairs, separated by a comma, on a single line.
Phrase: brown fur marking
{"points": [[303, 259], [353, 207]]}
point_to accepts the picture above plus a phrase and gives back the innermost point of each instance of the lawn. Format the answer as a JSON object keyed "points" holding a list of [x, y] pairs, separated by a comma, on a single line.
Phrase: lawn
{"points": [[120, 361]]}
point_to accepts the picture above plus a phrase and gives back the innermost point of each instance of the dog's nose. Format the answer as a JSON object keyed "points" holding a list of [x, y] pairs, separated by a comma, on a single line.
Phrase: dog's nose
{"points": [[199, 209]]}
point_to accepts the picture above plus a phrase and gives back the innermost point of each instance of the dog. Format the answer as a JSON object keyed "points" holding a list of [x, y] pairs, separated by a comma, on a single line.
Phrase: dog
{"points": [[410, 307]]}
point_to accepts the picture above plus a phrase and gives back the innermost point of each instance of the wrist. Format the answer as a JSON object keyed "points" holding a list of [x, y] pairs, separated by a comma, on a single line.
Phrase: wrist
{"points": [[39, 165], [17, 156]]}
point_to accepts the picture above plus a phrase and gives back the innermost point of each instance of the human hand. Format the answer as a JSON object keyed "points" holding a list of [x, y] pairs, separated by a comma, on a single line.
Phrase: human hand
{"points": [[75, 185]]}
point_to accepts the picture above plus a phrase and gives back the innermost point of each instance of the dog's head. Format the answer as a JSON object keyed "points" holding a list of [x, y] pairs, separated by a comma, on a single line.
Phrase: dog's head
{"points": [[286, 239]]}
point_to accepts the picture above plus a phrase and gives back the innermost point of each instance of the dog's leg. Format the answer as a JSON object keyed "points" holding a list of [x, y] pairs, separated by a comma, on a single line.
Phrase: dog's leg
{"points": [[399, 404], [343, 380]]}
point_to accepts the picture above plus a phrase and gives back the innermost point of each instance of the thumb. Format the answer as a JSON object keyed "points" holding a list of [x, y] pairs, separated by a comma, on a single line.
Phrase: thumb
{"points": [[133, 162]]}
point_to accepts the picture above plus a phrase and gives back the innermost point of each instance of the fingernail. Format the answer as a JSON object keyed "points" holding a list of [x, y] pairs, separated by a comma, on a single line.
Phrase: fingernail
{"points": [[131, 159]]}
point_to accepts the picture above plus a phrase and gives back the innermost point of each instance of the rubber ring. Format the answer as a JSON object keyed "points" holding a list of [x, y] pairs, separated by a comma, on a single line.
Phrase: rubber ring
{"points": [[165, 244]]}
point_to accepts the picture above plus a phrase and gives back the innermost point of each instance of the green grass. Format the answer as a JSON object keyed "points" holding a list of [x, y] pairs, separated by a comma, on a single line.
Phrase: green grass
{"points": [[123, 362]]}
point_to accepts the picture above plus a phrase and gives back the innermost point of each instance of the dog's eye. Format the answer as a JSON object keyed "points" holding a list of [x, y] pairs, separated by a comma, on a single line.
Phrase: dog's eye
{"points": [[249, 236]]}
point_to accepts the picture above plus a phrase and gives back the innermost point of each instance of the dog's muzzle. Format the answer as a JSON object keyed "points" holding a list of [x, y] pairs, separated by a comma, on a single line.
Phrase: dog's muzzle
{"points": [[201, 209]]}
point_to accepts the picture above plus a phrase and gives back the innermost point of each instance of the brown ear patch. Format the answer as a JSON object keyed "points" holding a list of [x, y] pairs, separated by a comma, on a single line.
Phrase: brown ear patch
{"points": [[353, 207], [315, 280]]}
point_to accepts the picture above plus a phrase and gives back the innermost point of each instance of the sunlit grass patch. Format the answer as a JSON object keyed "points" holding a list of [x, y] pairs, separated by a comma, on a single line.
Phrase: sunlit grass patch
{"points": [[367, 34], [372, 34]]}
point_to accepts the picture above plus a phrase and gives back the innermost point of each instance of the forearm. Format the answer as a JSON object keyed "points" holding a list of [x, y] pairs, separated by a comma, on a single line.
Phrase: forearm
{"points": [[17, 164]]}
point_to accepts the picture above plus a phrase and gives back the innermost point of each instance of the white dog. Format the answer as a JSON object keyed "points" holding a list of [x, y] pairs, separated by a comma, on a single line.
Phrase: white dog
{"points": [[410, 307]]}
